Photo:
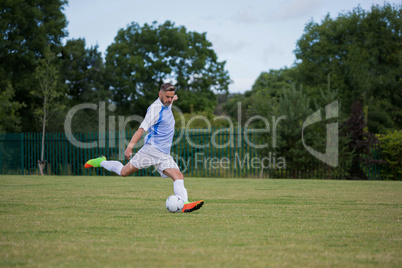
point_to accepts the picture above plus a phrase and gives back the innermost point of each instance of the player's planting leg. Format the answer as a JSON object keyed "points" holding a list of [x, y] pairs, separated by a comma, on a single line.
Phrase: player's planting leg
{"points": [[181, 191], [193, 206]]}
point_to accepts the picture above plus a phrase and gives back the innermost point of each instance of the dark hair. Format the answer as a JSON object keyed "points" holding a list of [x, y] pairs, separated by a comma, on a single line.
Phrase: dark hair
{"points": [[167, 87]]}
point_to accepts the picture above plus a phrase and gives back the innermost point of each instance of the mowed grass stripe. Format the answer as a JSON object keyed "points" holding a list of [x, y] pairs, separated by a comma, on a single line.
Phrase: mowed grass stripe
{"points": [[72, 221]]}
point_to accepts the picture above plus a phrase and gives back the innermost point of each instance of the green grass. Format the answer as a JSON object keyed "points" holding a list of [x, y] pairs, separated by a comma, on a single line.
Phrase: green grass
{"points": [[66, 221]]}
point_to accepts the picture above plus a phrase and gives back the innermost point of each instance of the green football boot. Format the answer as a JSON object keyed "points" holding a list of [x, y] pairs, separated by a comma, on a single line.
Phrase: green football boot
{"points": [[95, 162]]}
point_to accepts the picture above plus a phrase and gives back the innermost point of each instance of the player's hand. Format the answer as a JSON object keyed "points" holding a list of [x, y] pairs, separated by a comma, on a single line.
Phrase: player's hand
{"points": [[128, 152], [175, 97]]}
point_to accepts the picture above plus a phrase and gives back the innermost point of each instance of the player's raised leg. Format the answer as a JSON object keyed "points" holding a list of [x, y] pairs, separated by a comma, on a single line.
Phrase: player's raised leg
{"points": [[114, 166], [96, 162], [180, 190], [128, 169]]}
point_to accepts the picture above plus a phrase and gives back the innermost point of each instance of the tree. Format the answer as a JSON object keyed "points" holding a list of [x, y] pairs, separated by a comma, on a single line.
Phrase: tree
{"points": [[275, 97], [263, 97], [274, 81], [294, 107], [10, 121], [361, 141], [237, 106], [26, 28], [269, 88], [142, 58], [361, 50], [47, 75], [82, 73], [391, 150], [285, 113]]}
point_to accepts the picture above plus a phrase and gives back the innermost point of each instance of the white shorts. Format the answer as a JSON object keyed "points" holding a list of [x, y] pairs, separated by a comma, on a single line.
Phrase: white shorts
{"points": [[150, 156]]}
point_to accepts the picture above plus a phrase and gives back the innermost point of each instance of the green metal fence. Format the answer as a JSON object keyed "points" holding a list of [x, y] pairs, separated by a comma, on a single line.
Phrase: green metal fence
{"points": [[198, 152]]}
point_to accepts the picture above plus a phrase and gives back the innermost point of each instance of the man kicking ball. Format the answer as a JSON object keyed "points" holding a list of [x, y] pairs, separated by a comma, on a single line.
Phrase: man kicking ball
{"points": [[159, 122]]}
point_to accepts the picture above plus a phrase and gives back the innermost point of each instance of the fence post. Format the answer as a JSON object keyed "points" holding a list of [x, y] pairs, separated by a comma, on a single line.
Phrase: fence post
{"points": [[22, 153]]}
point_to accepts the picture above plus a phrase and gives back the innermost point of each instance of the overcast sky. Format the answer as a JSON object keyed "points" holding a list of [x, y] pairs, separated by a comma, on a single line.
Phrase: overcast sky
{"points": [[252, 36]]}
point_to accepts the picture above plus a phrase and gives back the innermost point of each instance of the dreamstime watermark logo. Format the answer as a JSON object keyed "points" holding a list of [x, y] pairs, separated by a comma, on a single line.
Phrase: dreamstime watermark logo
{"points": [[231, 133]]}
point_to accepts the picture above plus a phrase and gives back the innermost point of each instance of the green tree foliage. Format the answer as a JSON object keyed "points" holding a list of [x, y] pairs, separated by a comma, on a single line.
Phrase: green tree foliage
{"points": [[263, 97], [285, 113], [10, 120], [362, 52], [142, 58], [204, 119], [391, 149], [26, 29], [237, 107], [82, 72], [268, 88], [345, 154], [294, 107], [47, 74], [278, 98], [273, 82]]}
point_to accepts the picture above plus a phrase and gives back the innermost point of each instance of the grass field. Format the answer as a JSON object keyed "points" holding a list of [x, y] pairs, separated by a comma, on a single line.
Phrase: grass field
{"points": [[66, 221]]}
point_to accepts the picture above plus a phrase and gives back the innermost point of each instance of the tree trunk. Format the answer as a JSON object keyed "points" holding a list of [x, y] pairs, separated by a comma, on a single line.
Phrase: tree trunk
{"points": [[41, 166], [42, 163], [356, 173]]}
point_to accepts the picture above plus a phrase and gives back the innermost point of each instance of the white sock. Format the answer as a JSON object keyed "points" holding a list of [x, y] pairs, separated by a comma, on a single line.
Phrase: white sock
{"points": [[180, 190], [114, 166]]}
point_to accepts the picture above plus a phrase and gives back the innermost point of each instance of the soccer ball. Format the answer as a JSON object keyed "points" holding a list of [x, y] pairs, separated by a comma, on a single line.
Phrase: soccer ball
{"points": [[174, 203]]}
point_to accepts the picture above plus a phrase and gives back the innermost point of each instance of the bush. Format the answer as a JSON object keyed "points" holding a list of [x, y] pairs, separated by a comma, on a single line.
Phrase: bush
{"points": [[391, 149]]}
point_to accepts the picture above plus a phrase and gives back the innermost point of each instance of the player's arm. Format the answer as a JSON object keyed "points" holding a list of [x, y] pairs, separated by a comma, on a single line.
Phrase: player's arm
{"points": [[175, 97], [150, 119], [134, 140]]}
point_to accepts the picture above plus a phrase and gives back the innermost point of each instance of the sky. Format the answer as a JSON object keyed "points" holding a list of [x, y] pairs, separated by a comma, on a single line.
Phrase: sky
{"points": [[252, 36]]}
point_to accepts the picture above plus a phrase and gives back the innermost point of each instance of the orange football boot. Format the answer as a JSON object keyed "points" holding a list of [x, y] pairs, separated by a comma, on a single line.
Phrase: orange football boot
{"points": [[193, 206]]}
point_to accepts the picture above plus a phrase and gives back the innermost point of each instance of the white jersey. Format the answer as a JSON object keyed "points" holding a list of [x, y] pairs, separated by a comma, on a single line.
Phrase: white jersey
{"points": [[159, 122]]}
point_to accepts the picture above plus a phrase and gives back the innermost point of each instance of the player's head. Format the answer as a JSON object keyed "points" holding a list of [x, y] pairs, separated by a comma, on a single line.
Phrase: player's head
{"points": [[166, 93], [167, 87]]}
